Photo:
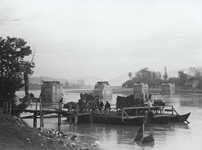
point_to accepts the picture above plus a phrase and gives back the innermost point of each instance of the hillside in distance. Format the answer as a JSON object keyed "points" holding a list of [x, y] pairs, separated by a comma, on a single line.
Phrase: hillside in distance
{"points": [[119, 80], [38, 80], [88, 80], [92, 80]]}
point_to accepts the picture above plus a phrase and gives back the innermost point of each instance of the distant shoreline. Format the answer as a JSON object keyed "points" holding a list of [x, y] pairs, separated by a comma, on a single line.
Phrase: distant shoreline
{"points": [[128, 91]]}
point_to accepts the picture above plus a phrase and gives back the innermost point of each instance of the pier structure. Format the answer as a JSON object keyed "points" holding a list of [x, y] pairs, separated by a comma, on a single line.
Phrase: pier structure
{"points": [[103, 91], [140, 90], [43, 110], [51, 91], [168, 89]]}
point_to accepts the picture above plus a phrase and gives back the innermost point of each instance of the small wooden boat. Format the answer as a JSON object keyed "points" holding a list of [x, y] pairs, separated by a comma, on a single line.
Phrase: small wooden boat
{"points": [[17, 110], [140, 137]]}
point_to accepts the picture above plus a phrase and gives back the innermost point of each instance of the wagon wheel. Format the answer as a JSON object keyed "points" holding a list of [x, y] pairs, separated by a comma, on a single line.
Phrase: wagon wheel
{"points": [[91, 105]]}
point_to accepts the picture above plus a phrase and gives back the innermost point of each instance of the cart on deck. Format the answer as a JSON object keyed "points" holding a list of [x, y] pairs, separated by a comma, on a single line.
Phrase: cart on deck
{"points": [[87, 102]]}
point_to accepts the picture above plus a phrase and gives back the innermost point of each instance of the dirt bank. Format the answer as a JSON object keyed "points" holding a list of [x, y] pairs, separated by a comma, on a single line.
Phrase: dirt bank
{"points": [[16, 135]]}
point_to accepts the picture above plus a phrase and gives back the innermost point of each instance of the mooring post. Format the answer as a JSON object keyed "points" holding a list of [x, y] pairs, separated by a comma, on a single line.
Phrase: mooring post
{"points": [[35, 116], [70, 119], [76, 116], [76, 119], [59, 114], [7, 107], [122, 115], [10, 108], [35, 120], [172, 110], [4, 106], [36, 106], [41, 117]]}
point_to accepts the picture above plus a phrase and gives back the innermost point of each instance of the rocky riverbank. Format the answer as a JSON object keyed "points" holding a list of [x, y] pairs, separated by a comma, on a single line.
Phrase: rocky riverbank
{"points": [[16, 135]]}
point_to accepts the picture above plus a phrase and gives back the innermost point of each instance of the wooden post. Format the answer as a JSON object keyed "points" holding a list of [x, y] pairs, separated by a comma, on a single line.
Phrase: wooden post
{"points": [[10, 108], [76, 117], [172, 110], [122, 115], [35, 116], [36, 106], [59, 114], [70, 120], [41, 117], [35, 120], [70, 107], [6, 107]]}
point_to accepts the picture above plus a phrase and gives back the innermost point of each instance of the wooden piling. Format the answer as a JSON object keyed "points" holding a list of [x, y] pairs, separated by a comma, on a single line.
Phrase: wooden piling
{"points": [[4, 107], [122, 115], [41, 117], [172, 110], [76, 119], [35, 120], [10, 108], [59, 114], [7, 107], [76, 116], [35, 116], [70, 120]]}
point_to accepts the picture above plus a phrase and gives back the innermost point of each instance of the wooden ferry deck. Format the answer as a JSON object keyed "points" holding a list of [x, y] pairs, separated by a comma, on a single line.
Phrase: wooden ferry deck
{"points": [[128, 115]]}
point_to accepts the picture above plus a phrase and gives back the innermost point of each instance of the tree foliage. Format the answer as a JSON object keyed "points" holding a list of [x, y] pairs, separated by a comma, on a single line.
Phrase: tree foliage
{"points": [[145, 76], [130, 74], [182, 77], [152, 78], [165, 76], [13, 66]]}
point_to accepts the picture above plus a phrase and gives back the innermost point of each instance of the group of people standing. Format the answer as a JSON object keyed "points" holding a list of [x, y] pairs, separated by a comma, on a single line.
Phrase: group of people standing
{"points": [[107, 106]]}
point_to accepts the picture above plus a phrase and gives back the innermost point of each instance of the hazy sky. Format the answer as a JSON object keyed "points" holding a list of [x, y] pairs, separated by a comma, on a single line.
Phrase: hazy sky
{"points": [[106, 38]]}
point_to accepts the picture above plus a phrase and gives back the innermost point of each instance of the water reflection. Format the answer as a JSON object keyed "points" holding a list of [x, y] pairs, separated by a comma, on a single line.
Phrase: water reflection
{"points": [[118, 137]]}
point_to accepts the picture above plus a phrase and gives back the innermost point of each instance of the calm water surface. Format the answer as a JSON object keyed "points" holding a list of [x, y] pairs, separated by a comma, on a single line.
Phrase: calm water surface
{"points": [[178, 136]]}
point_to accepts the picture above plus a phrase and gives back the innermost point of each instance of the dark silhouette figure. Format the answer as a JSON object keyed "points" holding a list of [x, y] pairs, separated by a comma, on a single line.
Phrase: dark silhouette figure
{"points": [[101, 105], [107, 106]]}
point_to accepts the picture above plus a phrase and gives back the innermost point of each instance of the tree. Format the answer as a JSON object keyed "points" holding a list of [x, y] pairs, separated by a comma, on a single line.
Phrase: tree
{"points": [[150, 77], [174, 80], [66, 84], [130, 75], [14, 69], [165, 76], [145, 76], [182, 77]]}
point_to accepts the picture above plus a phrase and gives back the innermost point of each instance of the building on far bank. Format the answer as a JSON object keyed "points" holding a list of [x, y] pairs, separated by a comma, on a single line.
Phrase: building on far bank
{"points": [[103, 90], [51, 91], [168, 88]]}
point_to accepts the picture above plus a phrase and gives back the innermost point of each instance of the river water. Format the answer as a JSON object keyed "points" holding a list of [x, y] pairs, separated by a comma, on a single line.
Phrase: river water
{"points": [[173, 136]]}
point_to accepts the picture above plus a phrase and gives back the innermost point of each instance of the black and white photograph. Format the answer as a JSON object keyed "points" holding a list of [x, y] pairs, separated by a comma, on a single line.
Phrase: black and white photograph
{"points": [[100, 75]]}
